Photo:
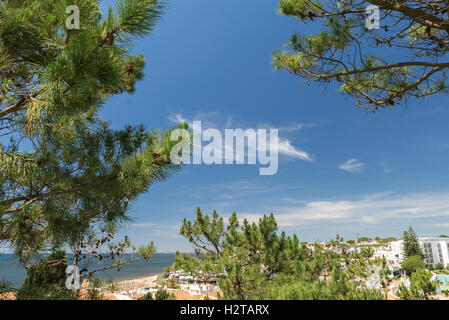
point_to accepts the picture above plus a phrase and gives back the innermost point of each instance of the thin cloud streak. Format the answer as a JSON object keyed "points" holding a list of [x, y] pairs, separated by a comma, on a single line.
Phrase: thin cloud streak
{"points": [[285, 148], [209, 120], [353, 166], [376, 208]]}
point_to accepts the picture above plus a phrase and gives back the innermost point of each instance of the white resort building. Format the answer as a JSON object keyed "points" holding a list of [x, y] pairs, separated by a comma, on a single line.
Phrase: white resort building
{"points": [[435, 250]]}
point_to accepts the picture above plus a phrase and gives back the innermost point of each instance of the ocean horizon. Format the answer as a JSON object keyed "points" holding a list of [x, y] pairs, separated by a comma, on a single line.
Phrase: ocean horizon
{"points": [[15, 273]]}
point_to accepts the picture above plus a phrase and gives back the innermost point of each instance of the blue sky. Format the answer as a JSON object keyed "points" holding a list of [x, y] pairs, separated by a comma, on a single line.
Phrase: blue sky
{"points": [[371, 174]]}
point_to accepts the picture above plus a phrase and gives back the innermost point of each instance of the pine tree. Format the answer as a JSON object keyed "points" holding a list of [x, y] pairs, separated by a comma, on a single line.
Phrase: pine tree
{"points": [[421, 286], [410, 244], [253, 261], [66, 177], [406, 58], [412, 264], [46, 280]]}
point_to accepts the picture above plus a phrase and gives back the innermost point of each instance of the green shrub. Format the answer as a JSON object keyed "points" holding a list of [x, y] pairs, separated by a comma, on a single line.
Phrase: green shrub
{"points": [[46, 280], [147, 296], [164, 295]]}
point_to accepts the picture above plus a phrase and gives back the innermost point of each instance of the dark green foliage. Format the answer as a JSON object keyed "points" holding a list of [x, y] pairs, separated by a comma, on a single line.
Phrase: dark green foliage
{"points": [[364, 239], [253, 261], [381, 68], [93, 292], [411, 245], [147, 296], [413, 263], [5, 286], [67, 178], [159, 295], [421, 286], [46, 280], [439, 266], [163, 295]]}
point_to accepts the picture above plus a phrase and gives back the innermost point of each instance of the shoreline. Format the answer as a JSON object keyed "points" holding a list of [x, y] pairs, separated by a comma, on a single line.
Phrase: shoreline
{"points": [[135, 283], [137, 278], [16, 273]]}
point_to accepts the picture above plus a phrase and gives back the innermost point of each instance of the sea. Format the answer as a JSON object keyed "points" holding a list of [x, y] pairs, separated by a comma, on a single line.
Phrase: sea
{"points": [[13, 272]]}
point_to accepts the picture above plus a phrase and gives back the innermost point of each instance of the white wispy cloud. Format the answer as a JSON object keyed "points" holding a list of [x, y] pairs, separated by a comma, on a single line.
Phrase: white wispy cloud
{"points": [[285, 148], [296, 127], [384, 207], [220, 122], [352, 165], [177, 119], [293, 127]]}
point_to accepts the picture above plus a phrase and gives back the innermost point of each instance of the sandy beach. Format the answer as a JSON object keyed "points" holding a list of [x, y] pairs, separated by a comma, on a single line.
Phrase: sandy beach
{"points": [[138, 283]]}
